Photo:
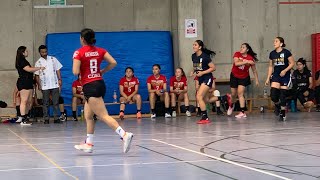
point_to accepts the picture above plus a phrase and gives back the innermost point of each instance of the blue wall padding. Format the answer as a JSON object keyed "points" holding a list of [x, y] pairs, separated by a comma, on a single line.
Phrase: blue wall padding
{"points": [[139, 50]]}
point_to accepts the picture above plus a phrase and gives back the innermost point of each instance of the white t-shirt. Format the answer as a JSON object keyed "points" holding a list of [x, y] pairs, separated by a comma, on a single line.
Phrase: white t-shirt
{"points": [[48, 77]]}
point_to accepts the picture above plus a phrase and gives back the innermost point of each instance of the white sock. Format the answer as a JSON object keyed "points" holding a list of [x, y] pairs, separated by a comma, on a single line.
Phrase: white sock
{"points": [[89, 139], [120, 131]]}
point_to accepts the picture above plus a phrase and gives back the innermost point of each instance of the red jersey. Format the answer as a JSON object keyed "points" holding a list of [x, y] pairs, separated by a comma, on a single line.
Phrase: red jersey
{"points": [[241, 71], [77, 84], [179, 85], [129, 85], [157, 83], [91, 58]]}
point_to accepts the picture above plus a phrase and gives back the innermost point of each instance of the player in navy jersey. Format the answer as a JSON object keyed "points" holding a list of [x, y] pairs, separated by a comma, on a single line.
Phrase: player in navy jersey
{"points": [[281, 62]]}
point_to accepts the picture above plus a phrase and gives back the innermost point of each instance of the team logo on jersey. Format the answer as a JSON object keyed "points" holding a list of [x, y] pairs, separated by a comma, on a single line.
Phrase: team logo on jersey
{"points": [[75, 54]]}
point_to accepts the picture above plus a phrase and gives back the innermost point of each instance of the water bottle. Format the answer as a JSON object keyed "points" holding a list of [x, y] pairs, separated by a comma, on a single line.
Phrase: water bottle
{"points": [[262, 109], [265, 94], [293, 106], [82, 114], [114, 96]]}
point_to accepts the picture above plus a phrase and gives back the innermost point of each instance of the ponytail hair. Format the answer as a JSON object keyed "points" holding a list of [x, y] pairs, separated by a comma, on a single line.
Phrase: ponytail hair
{"points": [[19, 55], [251, 52], [303, 62], [204, 49], [282, 41], [89, 36]]}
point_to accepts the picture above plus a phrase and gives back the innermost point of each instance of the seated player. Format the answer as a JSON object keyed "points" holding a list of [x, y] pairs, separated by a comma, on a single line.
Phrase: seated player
{"points": [[317, 90], [77, 97], [302, 84], [157, 88], [129, 86], [179, 91]]}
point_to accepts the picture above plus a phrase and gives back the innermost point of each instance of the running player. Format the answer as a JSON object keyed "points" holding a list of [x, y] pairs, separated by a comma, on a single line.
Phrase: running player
{"points": [[129, 86], [157, 88], [203, 68], [281, 63], [179, 91], [243, 60], [86, 62]]}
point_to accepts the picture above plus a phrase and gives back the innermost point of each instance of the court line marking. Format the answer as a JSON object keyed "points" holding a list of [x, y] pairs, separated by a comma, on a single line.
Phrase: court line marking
{"points": [[223, 160], [44, 155], [110, 165]]}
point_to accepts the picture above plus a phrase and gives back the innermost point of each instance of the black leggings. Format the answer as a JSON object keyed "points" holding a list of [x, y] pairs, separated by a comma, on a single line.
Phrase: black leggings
{"points": [[302, 98], [317, 94]]}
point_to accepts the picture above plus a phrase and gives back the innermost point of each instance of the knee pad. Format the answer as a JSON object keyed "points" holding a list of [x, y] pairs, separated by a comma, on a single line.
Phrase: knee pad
{"points": [[283, 96], [216, 93], [61, 100], [275, 94]]}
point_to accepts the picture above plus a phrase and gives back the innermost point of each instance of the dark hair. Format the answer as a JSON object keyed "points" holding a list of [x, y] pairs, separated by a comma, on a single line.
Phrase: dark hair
{"points": [[282, 41], [130, 69], [20, 55], [204, 49], [183, 73], [42, 47], [156, 65], [89, 36], [303, 62], [251, 52]]}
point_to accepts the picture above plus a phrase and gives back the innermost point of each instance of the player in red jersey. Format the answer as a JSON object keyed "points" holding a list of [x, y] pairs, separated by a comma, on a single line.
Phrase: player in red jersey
{"points": [[243, 60], [179, 91], [129, 86], [157, 88], [86, 62], [77, 97]]}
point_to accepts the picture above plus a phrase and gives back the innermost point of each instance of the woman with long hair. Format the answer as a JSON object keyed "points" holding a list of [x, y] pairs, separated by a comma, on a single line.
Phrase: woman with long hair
{"points": [[302, 84], [86, 62], [25, 82], [243, 60], [202, 68], [280, 65]]}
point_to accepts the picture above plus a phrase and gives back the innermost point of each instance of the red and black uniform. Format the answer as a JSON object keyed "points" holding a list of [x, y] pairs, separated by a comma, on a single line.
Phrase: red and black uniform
{"points": [[129, 85], [178, 84], [91, 58], [157, 83], [240, 74]]}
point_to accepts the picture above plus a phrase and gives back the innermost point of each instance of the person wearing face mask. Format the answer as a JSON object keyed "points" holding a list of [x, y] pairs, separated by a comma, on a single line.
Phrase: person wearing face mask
{"points": [[243, 60], [302, 84], [281, 62]]}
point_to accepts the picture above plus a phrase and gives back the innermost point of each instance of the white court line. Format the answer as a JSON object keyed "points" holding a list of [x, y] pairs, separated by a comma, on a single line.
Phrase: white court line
{"points": [[223, 160], [109, 165]]}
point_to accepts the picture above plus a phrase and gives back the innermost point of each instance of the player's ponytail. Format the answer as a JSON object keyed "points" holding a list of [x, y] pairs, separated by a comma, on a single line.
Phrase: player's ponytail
{"points": [[89, 36]]}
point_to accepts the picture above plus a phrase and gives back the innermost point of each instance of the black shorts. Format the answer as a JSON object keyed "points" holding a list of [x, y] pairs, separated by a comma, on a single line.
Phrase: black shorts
{"points": [[94, 89], [24, 84], [235, 82], [284, 81], [206, 80]]}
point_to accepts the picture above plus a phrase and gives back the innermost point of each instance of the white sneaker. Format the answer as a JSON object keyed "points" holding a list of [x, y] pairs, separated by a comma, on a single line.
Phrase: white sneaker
{"points": [[230, 110], [25, 123], [153, 116], [174, 114], [19, 120], [88, 148], [241, 115], [188, 113], [127, 139], [167, 115]]}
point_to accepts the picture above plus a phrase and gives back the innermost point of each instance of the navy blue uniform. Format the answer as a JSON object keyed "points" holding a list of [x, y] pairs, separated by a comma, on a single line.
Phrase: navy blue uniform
{"points": [[280, 62], [201, 63]]}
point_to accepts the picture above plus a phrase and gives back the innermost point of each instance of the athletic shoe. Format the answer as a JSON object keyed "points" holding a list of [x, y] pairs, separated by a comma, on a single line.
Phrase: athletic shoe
{"points": [[46, 122], [277, 110], [204, 121], [220, 113], [188, 113], [282, 118], [88, 148], [121, 115], [127, 139], [26, 123], [139, 115], [241, 115], [309, 105], [74, 119], [153, 115], [19, 120], [318, 109], [95, 117], [230, 110], [167, 115], [63, 117], [199, 114], [174, 114]]}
